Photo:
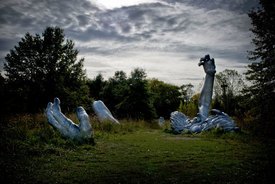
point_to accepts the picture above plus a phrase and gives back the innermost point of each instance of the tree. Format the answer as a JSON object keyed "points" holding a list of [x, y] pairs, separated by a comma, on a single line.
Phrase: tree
{"points": [[96, 86], [190, 107], [42, 67], [232, 79], [129, 97], [261, 71], [114, 91], [227, 88], [187, 92], [166, 97], [138, 102], [3, 97]]}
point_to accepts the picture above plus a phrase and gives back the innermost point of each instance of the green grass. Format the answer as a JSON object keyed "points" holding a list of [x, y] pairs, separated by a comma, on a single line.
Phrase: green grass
{"points": [[133, 152]]}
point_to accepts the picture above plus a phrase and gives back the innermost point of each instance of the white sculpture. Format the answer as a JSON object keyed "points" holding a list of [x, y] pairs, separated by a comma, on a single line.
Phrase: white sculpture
{"points": [[180, 122], [207, 89], [103, 112], [66, 126], [161, 121]]}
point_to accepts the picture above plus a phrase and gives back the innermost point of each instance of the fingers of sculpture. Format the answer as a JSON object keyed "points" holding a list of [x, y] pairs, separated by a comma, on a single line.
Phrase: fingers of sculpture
{"points": [[205, 59], [81, 114], [102, 112], [59, 116], [49, 107], [201, 62], [84, 125], [211, 67], [48, 110], [56, 104], [50, 117], [208, 65]]}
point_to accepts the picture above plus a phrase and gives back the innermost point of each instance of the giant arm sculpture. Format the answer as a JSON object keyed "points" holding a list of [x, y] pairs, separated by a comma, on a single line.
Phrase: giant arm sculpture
{"points": [[69, 129], [180, 122], [207, 89]]}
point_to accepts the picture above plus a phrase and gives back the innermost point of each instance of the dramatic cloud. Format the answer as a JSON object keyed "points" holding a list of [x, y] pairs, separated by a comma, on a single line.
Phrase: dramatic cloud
{"points": [[165, 37], [121, 3]]}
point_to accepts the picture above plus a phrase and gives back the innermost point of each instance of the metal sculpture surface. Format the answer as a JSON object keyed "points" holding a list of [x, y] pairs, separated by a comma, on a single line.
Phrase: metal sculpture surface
{"points": [[180, 122], [103, 112], [69, 129], [66, 126]]}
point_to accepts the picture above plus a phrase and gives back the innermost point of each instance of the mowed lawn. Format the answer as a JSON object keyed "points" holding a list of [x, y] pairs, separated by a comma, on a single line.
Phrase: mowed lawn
{"points": [[133, 152]]}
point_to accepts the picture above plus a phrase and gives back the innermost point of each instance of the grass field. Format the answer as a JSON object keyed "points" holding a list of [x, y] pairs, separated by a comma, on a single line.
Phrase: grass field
{"points": [[133, 152]]}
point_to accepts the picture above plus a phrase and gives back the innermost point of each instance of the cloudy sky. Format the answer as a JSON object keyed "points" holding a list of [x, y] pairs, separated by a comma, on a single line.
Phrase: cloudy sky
{"points": [[164, 37]]}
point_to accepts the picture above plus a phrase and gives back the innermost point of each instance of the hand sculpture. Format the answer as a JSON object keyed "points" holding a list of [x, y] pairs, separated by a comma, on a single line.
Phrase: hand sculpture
{"points": [[67, 127], [103, 112], [180, 123], [208, 65]]}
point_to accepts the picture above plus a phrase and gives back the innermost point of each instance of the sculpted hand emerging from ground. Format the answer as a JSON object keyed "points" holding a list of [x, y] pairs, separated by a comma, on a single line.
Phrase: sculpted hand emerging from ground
{"points": [[82, 131]]}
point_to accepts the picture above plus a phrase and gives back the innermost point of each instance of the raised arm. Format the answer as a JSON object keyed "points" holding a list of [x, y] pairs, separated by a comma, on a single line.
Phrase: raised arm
{"points": [[207, 89]]}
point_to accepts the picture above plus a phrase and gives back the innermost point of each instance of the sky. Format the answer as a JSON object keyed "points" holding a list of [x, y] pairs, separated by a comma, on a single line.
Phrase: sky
{"points": [[166, 38]]}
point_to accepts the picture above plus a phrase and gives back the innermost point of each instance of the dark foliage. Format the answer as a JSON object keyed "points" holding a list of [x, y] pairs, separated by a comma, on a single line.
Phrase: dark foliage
{"points": [[129, 97], [227, 92], [261, 94], [40, 68], [136, 97], [166, 97]]}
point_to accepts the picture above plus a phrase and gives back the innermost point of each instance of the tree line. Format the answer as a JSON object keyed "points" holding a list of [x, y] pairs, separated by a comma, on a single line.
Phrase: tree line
{"points": [[45, 66], [42, 67]]}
